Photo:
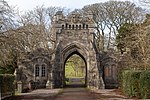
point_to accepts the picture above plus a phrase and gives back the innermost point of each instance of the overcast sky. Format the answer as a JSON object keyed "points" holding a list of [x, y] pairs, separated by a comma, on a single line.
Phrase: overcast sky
{"points": [[24, 5]]}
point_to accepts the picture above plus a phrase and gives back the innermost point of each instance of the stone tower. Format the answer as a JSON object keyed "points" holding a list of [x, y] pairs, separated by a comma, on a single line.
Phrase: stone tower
{"points": [[74, 34]]}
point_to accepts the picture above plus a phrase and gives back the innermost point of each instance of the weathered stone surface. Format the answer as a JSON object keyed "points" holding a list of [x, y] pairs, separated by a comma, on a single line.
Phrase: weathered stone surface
{"points": [[26, 70], [75, 35]]}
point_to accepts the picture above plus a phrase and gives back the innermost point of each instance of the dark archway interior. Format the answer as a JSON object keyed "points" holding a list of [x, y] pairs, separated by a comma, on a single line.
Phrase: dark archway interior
{"points": [[85, 77]]}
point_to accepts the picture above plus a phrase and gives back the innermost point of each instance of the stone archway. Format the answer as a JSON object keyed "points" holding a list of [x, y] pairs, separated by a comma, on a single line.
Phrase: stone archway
{"points": [[68, 52], [85, 69]]}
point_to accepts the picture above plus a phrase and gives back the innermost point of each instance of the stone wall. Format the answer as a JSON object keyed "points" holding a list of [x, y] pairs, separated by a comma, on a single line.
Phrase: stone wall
{"points": [[26, 69], [109, 62]]}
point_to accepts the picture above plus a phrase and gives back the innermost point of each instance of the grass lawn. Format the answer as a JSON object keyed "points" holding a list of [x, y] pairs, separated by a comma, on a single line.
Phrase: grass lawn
{"points": [[70, 73]]}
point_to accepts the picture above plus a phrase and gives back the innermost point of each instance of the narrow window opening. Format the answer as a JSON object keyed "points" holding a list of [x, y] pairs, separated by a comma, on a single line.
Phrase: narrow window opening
{"points": [[73, 27], [79, 26], [76, 26], [87, 26], [66, 25], [83, 26], [69, 26], [62, 26], [37, 70], [43, 71]]}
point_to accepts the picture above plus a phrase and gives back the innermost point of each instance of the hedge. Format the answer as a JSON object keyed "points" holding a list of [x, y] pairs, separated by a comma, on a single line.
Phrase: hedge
{"points": [[136, 83], [145, 84], [6, 83]]}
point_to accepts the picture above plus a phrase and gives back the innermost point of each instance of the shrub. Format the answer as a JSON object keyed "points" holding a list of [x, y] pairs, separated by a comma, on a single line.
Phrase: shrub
{"points": [[6, 82], [130, 83], [145, 84], [8, 69], [136, 83]]}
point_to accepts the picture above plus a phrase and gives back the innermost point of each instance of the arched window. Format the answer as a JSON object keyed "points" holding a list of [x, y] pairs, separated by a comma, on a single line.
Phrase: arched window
{"points": [[40, 71], [37, 71], [43, 71]]}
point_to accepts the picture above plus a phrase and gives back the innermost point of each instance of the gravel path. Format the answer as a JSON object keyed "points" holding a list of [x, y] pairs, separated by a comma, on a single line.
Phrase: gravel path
{"points": [[78, 93], [75, 94], [40, 94]]}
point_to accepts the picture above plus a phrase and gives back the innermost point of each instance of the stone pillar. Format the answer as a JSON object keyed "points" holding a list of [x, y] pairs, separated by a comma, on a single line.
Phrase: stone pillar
{"points": [[49, 83], [15, 81], [30, 86], [19, 87], [101, 82]]}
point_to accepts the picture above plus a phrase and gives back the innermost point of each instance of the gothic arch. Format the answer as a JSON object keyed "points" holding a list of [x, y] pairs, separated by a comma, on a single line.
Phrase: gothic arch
{"points": [[73, 47], [70, 50]]}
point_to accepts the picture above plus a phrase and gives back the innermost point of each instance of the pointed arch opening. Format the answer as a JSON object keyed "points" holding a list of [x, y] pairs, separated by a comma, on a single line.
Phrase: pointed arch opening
{"points": [[75, 70]]}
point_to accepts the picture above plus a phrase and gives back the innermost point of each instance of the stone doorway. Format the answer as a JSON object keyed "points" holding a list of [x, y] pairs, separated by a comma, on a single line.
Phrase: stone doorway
{"points": [[75, 70]]}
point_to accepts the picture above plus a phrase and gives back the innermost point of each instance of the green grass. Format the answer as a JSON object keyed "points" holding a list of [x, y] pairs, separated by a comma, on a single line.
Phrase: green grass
{"points": [[69, 72], [75, 68], [16, 92]]}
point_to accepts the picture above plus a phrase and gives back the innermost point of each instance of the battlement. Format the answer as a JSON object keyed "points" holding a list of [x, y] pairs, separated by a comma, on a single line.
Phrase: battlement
{"points": [[74, 21], [74, 26]]}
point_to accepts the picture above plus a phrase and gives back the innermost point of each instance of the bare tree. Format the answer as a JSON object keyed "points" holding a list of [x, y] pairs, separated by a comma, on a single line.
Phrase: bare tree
{"points": [[36, 26], [7, 16], [33, 32], [7, 22], [109, 16], [77, 64], [99, 18]]}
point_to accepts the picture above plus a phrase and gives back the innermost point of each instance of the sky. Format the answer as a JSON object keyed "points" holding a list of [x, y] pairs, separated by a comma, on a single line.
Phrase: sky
{"points": [[25, 5]]}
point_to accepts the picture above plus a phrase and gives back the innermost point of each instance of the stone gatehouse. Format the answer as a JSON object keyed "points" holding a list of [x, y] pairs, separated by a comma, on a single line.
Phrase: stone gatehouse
{"points": [[73, 34]]}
